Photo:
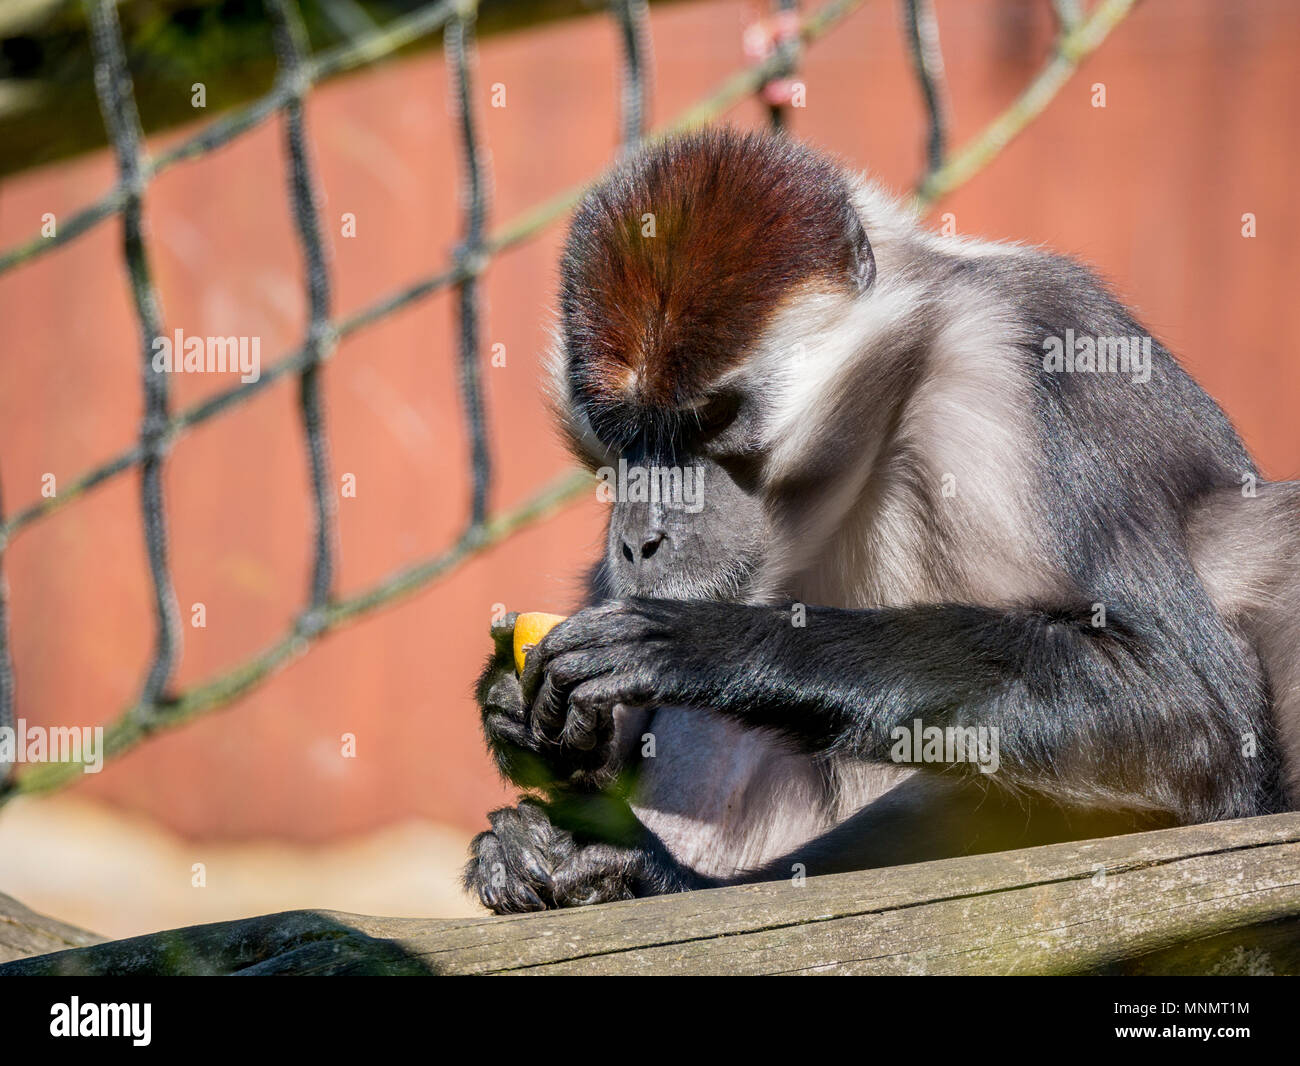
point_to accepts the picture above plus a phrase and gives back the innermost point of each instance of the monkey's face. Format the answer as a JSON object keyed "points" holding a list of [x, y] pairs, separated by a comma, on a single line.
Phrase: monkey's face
{"points": [[677, 270], [686, 518]]}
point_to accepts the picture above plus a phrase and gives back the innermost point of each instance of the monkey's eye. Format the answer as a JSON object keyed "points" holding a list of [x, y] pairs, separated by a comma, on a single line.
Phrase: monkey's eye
{"points": [[714, 414]]}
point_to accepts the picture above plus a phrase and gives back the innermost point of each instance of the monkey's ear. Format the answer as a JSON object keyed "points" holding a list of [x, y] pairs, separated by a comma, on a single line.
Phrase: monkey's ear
{"points": [[862, 261]]}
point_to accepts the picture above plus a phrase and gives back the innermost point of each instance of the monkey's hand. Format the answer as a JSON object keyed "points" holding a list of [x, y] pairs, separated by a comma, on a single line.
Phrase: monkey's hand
{"points": [[528, 862], [638, 652], [522, 753]]}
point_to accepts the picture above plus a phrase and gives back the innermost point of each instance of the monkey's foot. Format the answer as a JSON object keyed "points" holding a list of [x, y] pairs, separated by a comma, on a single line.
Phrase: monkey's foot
{"points": [[525, 863]]}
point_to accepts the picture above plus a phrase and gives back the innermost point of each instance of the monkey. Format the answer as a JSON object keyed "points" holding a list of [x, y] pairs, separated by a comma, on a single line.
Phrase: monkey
{"points": [[937, 493]]}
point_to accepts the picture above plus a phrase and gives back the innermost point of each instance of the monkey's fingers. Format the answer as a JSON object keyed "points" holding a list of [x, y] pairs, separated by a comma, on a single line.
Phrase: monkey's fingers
{"points": [[582, 728], [549, 710], [602, 626], [503, 632]]}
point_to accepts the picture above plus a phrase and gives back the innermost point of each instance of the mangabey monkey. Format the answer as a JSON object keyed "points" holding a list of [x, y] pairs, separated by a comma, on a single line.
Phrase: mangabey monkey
{"points": [[990, 530]]}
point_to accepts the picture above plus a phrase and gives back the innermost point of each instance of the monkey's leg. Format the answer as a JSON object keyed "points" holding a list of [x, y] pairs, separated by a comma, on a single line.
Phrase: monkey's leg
{"points": [[930, 816], [527, 862]]}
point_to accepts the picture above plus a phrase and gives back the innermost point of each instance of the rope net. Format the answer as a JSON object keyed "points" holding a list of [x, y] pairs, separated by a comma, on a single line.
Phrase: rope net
{"points": [[783, 37]]}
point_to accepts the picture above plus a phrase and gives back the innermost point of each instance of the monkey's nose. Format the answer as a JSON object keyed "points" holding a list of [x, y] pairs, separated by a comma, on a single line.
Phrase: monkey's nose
{"points": [[648, 547]]}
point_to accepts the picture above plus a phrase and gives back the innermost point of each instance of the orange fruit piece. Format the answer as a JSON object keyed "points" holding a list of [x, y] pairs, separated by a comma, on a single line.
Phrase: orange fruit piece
{"points": [[529, 630]]}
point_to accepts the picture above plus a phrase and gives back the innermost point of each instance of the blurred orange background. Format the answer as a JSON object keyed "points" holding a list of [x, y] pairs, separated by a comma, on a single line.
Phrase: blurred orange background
{"points": [[1198, 129]]}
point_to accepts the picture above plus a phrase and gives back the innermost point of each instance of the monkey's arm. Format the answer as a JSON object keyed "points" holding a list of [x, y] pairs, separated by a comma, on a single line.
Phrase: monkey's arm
{"points": [[1119, 716]]}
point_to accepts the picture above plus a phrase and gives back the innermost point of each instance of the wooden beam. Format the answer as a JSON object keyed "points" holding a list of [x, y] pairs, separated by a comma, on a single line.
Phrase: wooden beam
{"points": [[24, 933], [1215, 898]]}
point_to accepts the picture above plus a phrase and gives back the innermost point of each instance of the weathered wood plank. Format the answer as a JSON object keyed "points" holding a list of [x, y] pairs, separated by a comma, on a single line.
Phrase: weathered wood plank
{"points": [[23, 932], [1181, 898], [1260, 951]]}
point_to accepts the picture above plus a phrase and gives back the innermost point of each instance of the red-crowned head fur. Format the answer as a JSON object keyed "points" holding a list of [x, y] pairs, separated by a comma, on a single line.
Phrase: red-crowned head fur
{"points": [[740, 223]]}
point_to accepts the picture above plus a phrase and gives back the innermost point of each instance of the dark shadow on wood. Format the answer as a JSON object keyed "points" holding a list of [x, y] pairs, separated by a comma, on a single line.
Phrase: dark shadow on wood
{"points": [[292, 942]]}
